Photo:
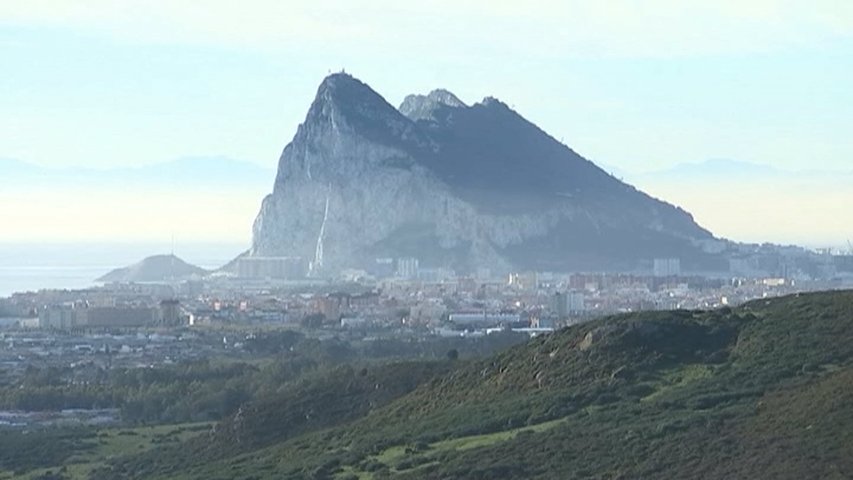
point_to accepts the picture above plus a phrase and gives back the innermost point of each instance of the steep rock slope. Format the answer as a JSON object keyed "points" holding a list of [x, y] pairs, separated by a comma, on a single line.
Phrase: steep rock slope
{"points": [[456, 186]]}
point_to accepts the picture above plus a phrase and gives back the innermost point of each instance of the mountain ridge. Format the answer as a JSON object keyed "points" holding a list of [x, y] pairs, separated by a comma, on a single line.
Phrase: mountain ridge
{"points": [[190, 170], [468, 187]]}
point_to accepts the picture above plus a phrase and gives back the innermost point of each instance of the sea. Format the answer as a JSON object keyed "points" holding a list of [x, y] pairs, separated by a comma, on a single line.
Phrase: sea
{"points": [[34, 266]]}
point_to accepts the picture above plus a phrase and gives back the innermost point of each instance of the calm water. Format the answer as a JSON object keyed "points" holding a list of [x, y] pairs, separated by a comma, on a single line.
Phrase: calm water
{"points": [[25, 267]]}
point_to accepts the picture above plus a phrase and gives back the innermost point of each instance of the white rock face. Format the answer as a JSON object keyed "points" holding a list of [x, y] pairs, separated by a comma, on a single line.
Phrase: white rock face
{"points": [[369, 202], [421, 107], [355, 152]]}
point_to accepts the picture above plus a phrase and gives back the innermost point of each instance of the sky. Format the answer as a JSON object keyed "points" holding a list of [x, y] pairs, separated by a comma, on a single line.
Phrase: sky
{"points": [[636, 86]]}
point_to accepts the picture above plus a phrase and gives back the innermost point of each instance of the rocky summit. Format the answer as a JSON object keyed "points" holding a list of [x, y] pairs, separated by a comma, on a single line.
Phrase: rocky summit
{"points": [[456, 186]]}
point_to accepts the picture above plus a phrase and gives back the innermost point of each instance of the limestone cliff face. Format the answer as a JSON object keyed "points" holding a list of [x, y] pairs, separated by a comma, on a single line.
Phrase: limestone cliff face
{"points": [[455, 186]]}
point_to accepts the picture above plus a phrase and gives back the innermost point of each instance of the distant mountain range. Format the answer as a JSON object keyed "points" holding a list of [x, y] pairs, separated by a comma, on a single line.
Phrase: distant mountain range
{"points": [[731, 170], [718, 167], [187, 171]]}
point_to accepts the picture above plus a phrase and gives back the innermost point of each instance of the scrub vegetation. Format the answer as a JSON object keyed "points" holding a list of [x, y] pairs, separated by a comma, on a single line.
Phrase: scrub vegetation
{"points": [[759, 391]]}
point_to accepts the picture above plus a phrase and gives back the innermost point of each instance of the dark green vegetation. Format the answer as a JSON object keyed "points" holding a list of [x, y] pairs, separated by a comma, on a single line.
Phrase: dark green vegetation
{"points": [[274, 366], [74, 453], [206, 390], [760, 391]]}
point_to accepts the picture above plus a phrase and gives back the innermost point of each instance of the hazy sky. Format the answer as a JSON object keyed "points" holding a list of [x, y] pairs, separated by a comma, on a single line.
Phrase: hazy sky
{"points": [[635, 85]]}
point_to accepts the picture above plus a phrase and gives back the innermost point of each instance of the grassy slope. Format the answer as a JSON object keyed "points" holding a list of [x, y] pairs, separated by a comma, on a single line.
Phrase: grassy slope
{"points": [[108, 443], [761, 391]]}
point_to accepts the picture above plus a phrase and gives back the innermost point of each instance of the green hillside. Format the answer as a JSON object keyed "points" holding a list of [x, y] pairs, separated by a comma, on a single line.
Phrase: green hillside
{"points": [[760, 391]]}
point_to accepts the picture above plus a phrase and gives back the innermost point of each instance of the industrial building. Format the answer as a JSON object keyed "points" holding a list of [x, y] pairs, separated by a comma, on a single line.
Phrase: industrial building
{"points": [[568, 303], [667, 267], [82, 316]]}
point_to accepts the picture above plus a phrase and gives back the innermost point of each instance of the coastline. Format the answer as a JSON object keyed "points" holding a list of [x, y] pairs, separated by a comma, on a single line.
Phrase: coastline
{"points": [[36, 266]]}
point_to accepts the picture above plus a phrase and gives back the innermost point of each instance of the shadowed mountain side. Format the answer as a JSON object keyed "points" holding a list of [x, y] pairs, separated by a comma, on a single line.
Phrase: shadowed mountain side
{"points": [[485, 187]]}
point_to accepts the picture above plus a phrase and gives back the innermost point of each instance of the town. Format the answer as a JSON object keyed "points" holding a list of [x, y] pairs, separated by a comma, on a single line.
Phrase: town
{"points": [[399, 297], [144, 324]]}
